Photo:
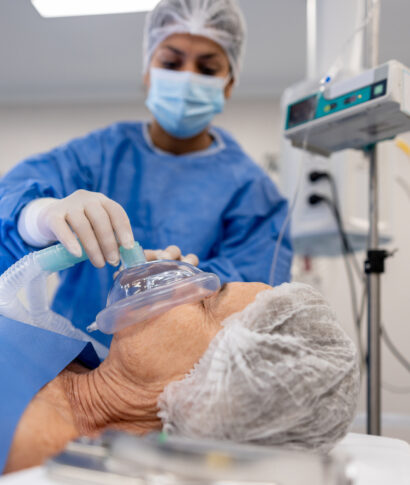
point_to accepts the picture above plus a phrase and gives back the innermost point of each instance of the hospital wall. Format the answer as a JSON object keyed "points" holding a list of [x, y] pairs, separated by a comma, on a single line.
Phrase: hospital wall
{"points": [[28, 129]]}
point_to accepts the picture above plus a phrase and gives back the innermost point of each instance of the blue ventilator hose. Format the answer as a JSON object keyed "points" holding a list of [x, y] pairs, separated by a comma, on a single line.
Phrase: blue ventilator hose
{"points": [[57, 258], [31, 273], [141, 291]]}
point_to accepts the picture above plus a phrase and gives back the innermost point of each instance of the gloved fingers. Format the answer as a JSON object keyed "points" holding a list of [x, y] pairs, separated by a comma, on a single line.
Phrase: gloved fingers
{"points": [[151, 255], [160, 254], [117, 272], [104, 232], [58, 225], [173, 252], [191, 259], [85, 233], [120, 222]]}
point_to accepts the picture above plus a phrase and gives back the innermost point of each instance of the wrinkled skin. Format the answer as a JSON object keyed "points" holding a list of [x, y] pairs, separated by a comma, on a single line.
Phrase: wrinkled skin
{"points": [[144, 358]]}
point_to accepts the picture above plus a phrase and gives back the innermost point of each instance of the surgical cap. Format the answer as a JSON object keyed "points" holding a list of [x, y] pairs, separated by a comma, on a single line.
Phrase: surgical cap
{"points": [[219, 20], [281, 372]]}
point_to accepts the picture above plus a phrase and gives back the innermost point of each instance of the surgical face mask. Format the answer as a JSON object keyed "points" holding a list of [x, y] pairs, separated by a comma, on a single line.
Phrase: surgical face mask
{"points": [[184, 103]]}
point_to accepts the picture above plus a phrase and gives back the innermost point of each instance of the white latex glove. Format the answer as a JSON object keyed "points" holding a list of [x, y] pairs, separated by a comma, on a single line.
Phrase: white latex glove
{"points": [[171, 252], [96, 220]]}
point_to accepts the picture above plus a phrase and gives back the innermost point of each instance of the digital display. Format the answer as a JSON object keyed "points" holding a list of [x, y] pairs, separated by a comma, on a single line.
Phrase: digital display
{"points": [[350, 99], [302, 111]]}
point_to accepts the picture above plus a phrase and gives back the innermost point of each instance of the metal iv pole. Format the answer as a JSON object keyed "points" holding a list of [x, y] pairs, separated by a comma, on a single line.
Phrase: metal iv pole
{"points": [[374, 265], [373, 271], [322, 19]]}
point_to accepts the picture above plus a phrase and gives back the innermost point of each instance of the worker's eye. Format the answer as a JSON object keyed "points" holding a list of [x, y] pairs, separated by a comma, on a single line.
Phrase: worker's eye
{"points": [[171, 65], [208, 71], [170, 60]]}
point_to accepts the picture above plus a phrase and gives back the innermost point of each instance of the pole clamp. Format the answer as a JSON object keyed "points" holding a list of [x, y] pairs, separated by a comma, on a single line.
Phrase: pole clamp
{"points": [[374, 263]]}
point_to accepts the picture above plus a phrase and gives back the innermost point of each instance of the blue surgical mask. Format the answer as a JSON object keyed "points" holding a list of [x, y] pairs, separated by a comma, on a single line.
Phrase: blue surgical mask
{"points": [[184, 103]]}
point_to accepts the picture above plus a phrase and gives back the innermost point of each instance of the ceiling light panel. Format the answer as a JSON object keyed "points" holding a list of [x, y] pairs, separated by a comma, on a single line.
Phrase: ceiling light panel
{"points": [[73, 8]]}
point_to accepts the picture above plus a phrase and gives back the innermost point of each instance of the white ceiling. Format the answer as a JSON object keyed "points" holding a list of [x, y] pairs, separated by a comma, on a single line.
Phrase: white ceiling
{"points": [[100, 57]]}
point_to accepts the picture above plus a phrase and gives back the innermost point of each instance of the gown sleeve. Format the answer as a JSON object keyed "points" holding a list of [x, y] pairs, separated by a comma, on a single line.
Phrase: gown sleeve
{"points": [[30, 357], [55, 174], [252, 225]]}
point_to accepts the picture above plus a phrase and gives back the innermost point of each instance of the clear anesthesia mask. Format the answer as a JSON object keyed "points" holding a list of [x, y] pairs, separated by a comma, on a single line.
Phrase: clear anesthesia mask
{"points": [[145, 290]]}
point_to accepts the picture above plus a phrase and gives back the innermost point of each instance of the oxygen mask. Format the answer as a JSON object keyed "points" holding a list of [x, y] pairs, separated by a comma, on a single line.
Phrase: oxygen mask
{"points": [[143, 290]]}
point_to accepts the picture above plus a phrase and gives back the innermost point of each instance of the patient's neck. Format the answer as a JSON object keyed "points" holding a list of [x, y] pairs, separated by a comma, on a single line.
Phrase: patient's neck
{"points": [[99, 400]]}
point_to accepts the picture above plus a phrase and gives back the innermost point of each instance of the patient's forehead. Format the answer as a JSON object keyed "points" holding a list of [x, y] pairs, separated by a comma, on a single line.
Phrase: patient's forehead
{"points": [[249, 287], [239, 290]]}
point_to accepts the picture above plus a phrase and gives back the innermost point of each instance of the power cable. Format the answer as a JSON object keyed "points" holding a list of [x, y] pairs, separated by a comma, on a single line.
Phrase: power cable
{"points": [[290, 212], [348, 256], [395, 389], [337, 64], [357, 314], [394, 350], [316, 176]]}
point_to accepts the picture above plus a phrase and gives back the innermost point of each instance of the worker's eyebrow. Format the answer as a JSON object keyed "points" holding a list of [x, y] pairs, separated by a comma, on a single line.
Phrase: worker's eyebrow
{"points": [[174, 50], [208, 55]]}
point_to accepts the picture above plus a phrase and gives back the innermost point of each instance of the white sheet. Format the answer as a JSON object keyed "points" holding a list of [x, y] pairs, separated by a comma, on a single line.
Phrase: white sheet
{"points": [[376, 461]]}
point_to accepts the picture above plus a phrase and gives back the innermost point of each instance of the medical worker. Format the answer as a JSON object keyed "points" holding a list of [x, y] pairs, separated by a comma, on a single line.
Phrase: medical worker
{"points": [[174, 180]]}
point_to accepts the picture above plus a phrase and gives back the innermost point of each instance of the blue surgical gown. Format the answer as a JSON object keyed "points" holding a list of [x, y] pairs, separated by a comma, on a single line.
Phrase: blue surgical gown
{"points": [[30, 357], [216, 203]]}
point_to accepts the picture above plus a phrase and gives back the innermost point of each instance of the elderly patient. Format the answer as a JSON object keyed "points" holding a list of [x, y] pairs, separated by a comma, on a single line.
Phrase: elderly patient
{"points": [[249, 364]]}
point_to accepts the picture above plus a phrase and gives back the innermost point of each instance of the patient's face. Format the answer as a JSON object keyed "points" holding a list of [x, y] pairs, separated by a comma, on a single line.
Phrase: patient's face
{"points": [[166, 348]]}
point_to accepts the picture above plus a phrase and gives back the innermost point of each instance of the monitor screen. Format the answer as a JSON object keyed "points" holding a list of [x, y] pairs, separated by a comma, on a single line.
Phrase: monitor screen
{"points": [[302, 111]]}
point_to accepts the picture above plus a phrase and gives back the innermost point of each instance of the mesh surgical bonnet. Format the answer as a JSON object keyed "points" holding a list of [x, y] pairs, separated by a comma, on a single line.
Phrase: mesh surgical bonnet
{"points": [[281, 372], [219, 20]]}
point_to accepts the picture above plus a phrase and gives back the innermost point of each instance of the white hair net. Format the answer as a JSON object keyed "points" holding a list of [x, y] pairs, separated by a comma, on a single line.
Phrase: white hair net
{"points": [[281, 372], [219, 20]]}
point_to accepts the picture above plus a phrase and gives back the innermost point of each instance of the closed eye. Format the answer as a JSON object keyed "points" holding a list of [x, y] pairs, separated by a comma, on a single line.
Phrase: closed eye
{"points": [[222, 289], [204, 303]]}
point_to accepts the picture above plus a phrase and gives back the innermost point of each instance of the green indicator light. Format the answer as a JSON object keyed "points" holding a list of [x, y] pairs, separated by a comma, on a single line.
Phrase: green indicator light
{"points": [[378, 90], [327, 108]]}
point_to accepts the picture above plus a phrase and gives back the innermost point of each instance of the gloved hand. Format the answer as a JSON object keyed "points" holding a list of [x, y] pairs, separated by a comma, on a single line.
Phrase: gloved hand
{"points": [[171, 252], [96, 220]]}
